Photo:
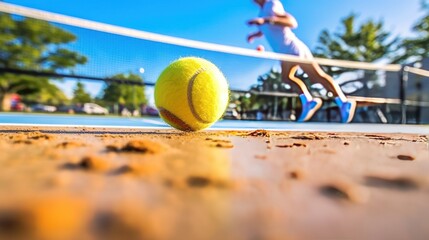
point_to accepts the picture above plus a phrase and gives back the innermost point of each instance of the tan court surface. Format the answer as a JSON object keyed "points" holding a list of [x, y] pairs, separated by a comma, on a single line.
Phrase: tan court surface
{"points": [[87, 183]]}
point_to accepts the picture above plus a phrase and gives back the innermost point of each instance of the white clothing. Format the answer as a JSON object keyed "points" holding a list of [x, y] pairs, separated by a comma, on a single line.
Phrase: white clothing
{"points": [[281, 38]]}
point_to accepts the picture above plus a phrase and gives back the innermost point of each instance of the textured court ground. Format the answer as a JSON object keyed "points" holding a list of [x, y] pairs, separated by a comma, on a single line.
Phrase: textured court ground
{"points": [[84, 183]]}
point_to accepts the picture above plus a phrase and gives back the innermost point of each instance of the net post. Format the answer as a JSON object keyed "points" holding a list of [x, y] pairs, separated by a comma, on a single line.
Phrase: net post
{"points": [[419, 101], [403, 92]]}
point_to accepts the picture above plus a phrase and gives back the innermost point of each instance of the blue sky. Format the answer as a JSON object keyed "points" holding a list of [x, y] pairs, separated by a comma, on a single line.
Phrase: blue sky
{"points": [[220, 21]]}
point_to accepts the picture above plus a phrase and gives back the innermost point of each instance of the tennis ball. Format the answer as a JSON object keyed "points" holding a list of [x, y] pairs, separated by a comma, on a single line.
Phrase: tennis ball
{"points": [[191, 94], [260, 48]]}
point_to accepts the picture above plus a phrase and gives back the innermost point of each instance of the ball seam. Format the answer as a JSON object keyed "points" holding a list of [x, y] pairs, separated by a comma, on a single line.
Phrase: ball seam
{"points": [[190, 99], [175, 120]]}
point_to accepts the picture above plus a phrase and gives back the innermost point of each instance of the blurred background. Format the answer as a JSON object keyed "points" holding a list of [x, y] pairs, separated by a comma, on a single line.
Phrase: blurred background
{"points": [[64, 69]]}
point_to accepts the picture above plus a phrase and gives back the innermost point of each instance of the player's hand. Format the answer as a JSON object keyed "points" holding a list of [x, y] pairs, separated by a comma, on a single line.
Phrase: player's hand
{"points": [[256, 21], [250, 38]]}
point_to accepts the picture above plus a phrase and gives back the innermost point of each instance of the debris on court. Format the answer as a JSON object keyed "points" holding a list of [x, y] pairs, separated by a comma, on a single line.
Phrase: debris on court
{"points": [[139, 146], [139, 185], [259, 133]]}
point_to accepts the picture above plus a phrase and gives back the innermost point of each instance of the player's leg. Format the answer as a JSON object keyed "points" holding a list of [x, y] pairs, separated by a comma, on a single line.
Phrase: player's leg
{"points": [[317, 75], [309, 104], [288, 76]]}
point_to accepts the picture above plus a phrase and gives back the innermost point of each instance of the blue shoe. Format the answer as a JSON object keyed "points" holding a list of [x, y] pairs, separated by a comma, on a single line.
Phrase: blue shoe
{"points": [[347, 109], [309, 108]]}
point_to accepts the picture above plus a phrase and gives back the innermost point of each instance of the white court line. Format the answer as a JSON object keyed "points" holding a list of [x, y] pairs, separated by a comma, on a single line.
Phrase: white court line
{"points": [[78, 126], [134, 33], [293, 127], [150, 121]]}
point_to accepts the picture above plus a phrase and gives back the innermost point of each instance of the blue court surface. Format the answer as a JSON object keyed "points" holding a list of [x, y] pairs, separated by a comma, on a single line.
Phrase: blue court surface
{"points": [[30, 119]]}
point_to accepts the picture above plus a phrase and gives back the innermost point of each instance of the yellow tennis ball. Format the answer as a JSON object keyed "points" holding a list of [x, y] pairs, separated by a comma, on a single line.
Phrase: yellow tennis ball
{"points": [[191, 94]]}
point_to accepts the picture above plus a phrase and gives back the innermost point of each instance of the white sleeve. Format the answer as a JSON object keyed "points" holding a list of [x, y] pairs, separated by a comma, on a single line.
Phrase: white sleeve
{"points": [[277, 8], [272, 8]]}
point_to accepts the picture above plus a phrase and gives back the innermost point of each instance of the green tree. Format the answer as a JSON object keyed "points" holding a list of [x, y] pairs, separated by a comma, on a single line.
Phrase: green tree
{"points": [[416, 48], [131, 96], [267, 83], [31, 44], [50, 94], [80, 96], [367, 42]]}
